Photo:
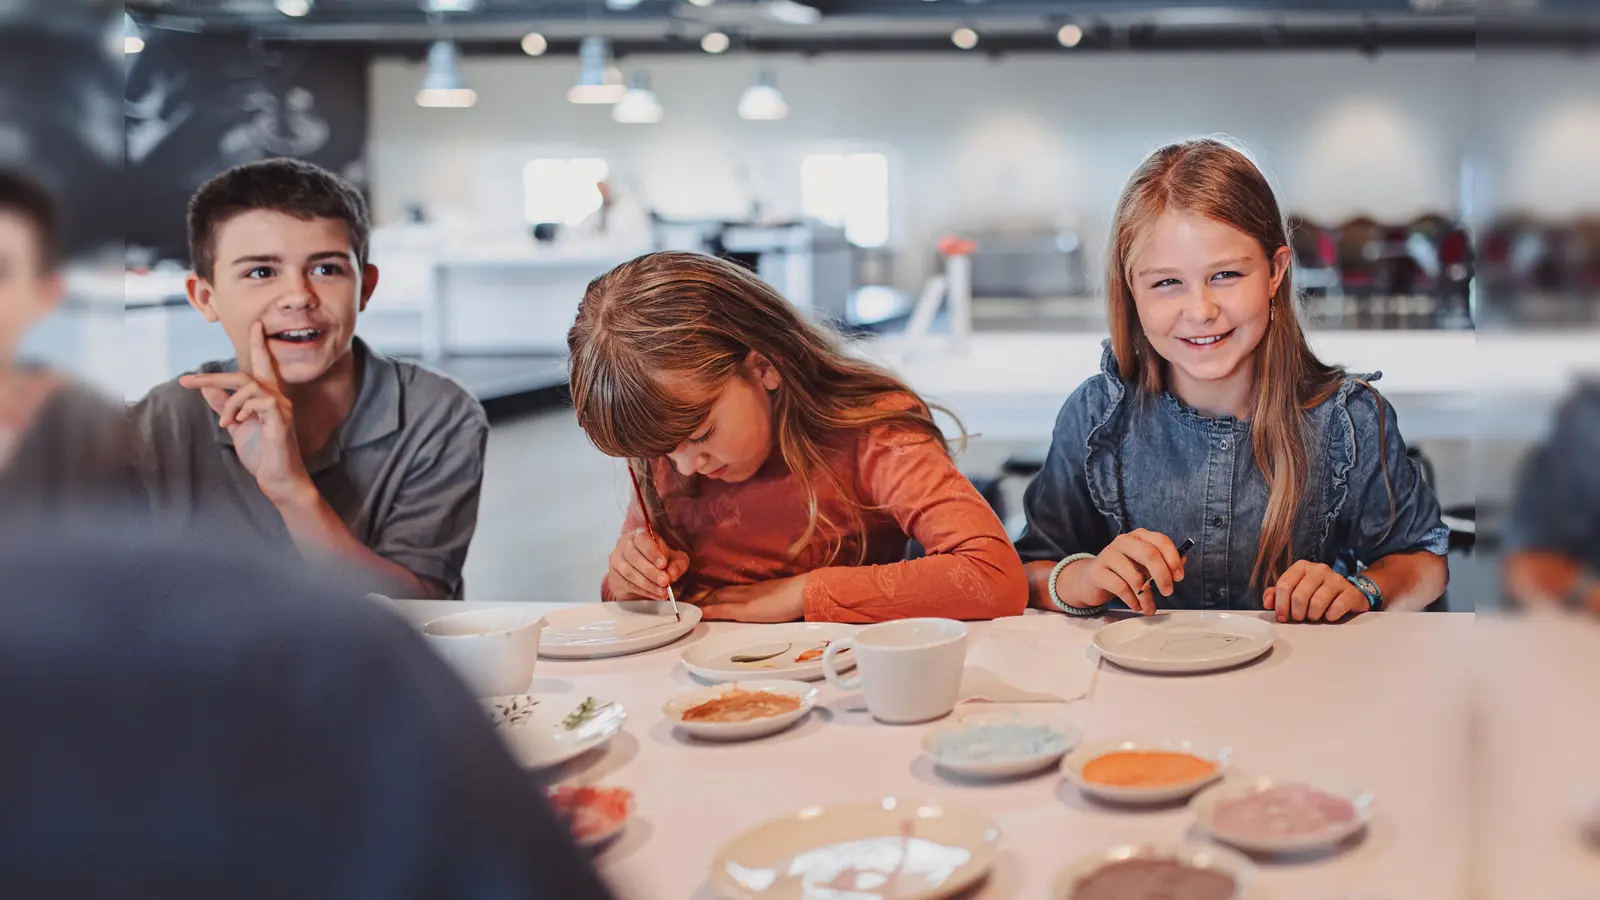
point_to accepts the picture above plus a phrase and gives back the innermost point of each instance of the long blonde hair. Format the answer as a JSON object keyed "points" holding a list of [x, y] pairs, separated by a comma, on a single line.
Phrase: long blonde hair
{"points": [[1210, 178], [688, 315]]}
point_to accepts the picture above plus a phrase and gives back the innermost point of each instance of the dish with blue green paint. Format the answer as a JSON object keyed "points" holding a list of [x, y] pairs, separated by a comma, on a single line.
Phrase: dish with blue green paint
{"points": [[992, 746]]}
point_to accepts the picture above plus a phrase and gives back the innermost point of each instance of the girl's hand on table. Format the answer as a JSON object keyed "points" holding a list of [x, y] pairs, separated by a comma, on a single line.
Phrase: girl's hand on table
{"points": [[780, 600], [1313, 592]]}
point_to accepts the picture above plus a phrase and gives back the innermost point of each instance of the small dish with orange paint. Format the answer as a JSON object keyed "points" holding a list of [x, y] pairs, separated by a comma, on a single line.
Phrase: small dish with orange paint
{"points": [[1136, 770]]}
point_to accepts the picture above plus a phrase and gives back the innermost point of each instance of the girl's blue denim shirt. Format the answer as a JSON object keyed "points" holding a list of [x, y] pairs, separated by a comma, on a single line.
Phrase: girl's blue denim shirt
{"points": [[1122, 460]]}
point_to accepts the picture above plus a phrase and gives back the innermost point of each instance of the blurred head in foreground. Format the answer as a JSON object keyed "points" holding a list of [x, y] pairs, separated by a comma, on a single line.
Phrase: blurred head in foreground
{"points": [[184, 719]]}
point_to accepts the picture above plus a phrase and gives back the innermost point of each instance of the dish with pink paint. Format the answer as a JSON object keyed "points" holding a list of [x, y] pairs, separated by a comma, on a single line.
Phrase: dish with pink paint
{"points": [[1267, 815]]}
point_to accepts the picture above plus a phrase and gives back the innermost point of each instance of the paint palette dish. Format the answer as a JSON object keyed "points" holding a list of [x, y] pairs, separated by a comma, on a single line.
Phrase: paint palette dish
{"points": [[1269, 815], [593, 815], [890, 849], [1141, 771], [1185, 642], [599, 630], [543, 732], [999, 745], [737, 712], [1157, 872], [790, 652]]}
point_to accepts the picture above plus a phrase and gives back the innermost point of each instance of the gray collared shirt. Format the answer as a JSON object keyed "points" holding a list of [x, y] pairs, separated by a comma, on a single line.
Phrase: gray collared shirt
{"points": [[403, 471]]}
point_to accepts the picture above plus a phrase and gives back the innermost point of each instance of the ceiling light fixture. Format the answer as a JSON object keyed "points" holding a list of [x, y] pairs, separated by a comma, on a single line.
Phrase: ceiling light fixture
{"points": [[640, 105], [762, 101], [132, 37], [598, 80], [442, 87]]}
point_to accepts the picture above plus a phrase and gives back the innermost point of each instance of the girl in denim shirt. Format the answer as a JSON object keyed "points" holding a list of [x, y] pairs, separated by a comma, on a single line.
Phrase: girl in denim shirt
{"points": [[1212, 421]]}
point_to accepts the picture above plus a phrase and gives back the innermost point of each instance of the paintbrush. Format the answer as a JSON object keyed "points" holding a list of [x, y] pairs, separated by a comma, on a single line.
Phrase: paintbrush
{"points": [[644, 512]]}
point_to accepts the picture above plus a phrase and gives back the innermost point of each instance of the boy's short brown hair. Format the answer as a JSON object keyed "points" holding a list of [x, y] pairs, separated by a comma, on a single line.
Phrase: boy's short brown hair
{"points": [[288, 186]]}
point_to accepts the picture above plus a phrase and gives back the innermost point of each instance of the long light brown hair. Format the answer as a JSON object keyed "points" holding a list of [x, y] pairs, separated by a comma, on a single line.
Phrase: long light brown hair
{"points": [[1210, 178], [670, 317]]}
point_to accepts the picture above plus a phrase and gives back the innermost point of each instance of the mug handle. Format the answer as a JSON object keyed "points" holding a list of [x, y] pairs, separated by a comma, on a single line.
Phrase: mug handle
{"points": [[832, 674]]}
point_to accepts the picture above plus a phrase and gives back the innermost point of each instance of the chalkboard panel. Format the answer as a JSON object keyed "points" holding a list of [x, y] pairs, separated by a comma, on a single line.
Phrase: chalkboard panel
{"points": [[198, 104]]}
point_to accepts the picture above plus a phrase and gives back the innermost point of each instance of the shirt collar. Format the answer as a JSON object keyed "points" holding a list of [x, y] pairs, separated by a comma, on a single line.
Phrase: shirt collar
{"points": [[374, 416]]}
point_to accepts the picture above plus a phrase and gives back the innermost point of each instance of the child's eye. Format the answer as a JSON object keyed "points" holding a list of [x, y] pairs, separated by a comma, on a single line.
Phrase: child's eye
{"points": [[258, 273], [1226, 275], [1165, 282], [332, 270], [704, 437]]}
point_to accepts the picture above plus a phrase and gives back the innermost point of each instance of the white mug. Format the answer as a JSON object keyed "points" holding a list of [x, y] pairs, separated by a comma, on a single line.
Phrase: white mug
{"points": [[910, 670], [493, 650]]}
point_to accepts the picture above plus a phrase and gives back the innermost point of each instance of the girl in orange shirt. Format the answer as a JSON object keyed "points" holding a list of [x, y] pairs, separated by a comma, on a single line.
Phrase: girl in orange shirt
{"points": [[783, 477]]}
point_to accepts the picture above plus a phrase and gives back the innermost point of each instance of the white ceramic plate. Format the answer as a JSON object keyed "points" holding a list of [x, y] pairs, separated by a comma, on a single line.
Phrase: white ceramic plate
{"points": [[893, 848], [712, 658], [999, 745], [1200, 856], [739, 731], [597, 630], [1072, 769], [1185, 642], [536, 730], [1206, 803]]}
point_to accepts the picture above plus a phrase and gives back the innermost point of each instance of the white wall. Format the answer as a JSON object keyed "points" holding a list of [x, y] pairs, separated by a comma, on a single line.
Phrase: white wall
{"points": [[974, 143]]}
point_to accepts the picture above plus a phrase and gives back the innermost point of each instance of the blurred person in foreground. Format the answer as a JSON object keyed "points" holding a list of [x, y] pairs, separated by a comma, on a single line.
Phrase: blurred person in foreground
{"points": [[1554, 533], [61, 442], [185, 719]]}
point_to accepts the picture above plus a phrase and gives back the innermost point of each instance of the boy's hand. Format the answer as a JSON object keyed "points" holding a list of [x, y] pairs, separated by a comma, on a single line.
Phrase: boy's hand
{"points": [[250, 404]]}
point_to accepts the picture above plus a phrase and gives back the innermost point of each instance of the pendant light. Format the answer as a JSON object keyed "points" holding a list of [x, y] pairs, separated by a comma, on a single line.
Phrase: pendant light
{"points": [[442, 87], [640, 105], [597, 78], [762, 101]]}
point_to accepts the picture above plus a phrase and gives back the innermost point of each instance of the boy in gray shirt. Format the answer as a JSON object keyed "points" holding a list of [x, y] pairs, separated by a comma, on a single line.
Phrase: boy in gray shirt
{"points": [[308, 437]]}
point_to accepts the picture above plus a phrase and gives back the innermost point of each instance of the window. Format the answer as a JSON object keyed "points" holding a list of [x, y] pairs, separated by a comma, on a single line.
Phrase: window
{"points": [[563, 191], [849, 190]]}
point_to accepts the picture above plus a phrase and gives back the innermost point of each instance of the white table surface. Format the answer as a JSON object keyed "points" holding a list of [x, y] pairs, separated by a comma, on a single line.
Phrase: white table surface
{"points": [[1383, 702], [1539, 739]]}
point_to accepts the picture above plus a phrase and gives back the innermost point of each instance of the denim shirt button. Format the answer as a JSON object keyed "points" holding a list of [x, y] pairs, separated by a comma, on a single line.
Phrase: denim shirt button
{"points": [[1225, 443], [1217, 522]]}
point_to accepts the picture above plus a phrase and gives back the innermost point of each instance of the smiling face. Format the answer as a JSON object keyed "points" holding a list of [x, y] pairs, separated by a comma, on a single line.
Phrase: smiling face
{"points": [[300, 278], [735, 439], [1203, 291]]}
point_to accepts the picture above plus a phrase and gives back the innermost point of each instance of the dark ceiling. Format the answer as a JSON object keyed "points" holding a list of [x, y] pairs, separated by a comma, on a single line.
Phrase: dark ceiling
{"points": [[404, 27]]}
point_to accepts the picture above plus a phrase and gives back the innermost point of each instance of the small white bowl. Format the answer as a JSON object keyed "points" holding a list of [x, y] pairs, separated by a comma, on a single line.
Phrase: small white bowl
{"points": [[1072, 769], [1206, 803], [740, 731], [1200, 856], [1011, 744]]}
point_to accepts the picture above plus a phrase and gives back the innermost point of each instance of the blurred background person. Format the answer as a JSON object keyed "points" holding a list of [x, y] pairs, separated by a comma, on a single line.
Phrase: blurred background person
{"points": [[60, 440], [1554, 529]]}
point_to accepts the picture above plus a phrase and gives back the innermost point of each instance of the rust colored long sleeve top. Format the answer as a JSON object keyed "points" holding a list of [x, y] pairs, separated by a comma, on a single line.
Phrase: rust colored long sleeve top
{"points": [[742, 533]]}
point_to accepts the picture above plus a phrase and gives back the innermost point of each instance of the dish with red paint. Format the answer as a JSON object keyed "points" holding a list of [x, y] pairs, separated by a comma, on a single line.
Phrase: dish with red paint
{"points": [[593, 815]]}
